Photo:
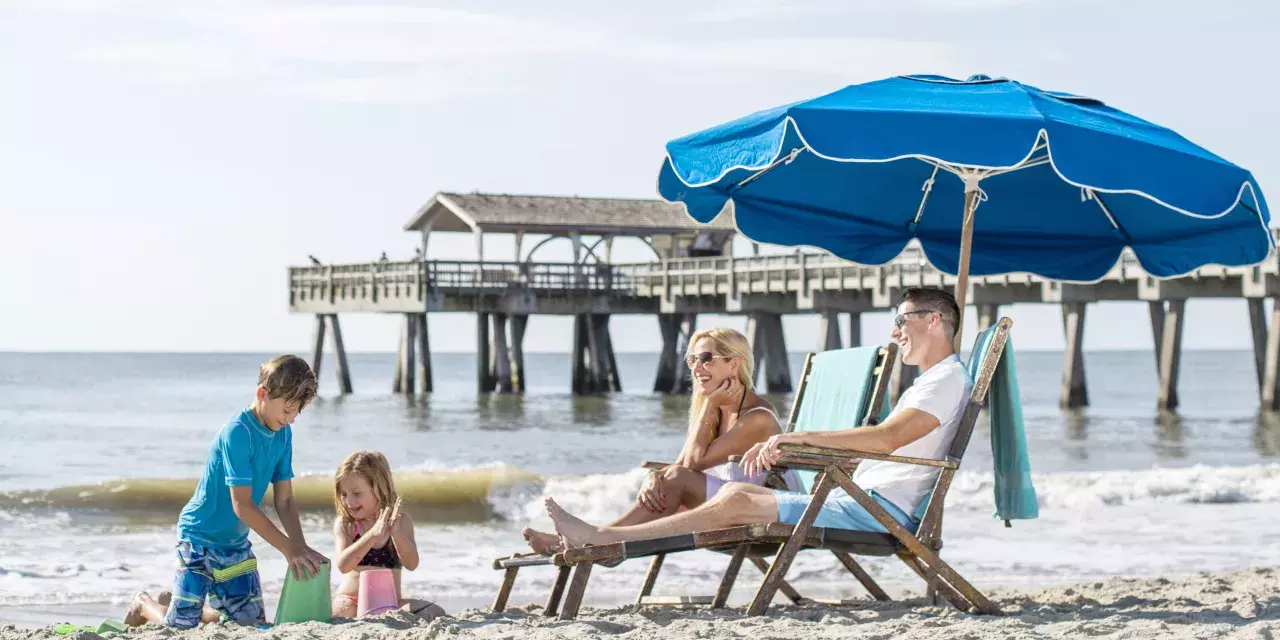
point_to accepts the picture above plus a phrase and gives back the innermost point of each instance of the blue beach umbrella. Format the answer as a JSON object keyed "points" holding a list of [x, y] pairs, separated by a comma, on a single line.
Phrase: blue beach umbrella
{"points": [[991, 176]]}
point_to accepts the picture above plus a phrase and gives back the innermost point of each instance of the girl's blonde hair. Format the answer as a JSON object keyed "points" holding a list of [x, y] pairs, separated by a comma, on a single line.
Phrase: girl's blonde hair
{"points": [[375, 469], [730, 344]]}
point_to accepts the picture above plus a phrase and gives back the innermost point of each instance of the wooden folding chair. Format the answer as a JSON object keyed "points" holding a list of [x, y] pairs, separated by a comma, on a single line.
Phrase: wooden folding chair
{"points": [[871, 370], [919, 550]]}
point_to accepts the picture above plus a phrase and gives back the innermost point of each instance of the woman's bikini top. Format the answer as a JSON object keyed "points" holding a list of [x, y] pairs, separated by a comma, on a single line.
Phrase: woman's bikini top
{"points": [[385, 557]]}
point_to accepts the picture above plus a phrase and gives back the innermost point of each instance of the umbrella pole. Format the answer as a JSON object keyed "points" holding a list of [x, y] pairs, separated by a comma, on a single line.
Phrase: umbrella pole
{"points": [[971, 194]]}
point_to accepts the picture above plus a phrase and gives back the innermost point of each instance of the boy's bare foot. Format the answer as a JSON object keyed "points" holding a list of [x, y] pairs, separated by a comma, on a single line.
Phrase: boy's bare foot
{"points": [[164, 598], [133, 615], [572, 530], [544, 543]]}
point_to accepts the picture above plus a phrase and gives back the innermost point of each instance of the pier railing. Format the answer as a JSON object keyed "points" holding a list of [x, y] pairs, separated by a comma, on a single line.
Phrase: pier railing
{"points": [[405, 286]]}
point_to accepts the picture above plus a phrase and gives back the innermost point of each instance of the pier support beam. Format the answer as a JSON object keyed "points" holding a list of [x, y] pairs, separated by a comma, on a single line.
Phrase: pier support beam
{"points": [[425, 381], [1166, 328], [500, 353], [1269, 360], [595, 367], [408, 370], [855, 329], [829, 331], [484, 377], [1074, 391], [988, 314], [673, 376], [764, 330], [339, 352]]}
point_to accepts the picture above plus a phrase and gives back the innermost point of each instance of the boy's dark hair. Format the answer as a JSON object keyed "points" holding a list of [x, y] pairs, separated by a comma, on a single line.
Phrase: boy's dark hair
{"points": [[935, 300], [288, 377]]}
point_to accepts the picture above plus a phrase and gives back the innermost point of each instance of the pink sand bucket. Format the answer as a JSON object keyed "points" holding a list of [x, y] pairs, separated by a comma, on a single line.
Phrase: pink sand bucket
{"points": [[377, 592]]}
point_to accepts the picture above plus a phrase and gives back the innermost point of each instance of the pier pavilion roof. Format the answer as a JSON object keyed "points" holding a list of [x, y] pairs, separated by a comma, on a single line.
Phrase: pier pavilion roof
{"points": [[505, 213]]}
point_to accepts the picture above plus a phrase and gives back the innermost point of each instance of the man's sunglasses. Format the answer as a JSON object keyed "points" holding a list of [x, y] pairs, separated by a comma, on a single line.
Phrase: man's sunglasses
{"points": [[704, 358], [901, 318]]}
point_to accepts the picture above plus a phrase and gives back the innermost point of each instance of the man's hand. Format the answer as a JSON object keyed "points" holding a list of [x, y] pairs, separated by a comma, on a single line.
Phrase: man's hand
{"points": [[760, 458], [728, 394], [304, 562], [652, 495]]}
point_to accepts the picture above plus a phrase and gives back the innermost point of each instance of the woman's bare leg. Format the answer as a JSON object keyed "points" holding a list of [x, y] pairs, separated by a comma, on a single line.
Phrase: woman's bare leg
{"points": [[736, 504], [684, 488]]}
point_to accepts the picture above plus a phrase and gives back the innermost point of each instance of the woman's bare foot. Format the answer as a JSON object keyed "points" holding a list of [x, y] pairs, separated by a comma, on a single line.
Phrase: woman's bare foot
{"points": [[133, 616], [572, 530], [544, 543]]}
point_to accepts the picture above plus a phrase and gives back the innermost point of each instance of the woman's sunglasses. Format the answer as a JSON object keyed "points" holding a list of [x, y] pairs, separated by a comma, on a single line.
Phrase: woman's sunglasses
{"points": [[703, 358]]}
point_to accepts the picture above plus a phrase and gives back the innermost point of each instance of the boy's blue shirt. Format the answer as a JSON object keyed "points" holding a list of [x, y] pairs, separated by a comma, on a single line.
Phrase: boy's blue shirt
{"points": [[245, 453]]}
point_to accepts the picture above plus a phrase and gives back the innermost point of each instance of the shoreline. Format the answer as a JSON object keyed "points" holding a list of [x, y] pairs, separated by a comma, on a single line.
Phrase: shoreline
{"points": [[1238, 604]]}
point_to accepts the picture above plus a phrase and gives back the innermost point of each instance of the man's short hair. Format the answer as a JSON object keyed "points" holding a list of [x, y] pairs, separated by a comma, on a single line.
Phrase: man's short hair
{"points": [[288, 377], [935, 300]]}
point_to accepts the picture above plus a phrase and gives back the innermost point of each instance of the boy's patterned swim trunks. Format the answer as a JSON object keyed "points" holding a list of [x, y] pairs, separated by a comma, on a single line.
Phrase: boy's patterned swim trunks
{"points": [[228, 578]]}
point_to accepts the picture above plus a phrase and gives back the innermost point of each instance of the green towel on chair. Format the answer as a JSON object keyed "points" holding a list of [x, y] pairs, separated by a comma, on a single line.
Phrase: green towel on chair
{"points": [[1014, 493]]}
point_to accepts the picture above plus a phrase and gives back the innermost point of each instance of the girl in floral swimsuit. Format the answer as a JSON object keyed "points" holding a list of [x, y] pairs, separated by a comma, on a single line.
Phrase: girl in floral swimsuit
{"points": [[370, 532]]}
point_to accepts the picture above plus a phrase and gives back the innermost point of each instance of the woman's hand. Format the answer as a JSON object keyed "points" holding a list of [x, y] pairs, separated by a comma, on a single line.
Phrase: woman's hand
{"points": [[652, 494], [728, 394]]}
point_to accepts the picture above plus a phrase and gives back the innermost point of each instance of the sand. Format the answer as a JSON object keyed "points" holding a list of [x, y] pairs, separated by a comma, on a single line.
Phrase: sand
{"points": [[1243, 604]]}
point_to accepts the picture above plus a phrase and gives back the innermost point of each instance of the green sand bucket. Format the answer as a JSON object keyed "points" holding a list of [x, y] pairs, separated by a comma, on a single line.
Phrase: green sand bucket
{"points": [[305, 601], [107, 626]]}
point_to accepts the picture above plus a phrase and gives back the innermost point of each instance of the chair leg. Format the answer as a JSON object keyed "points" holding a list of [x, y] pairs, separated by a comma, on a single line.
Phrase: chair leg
{"points": [[861, 574], [940, 588], [764, 595], [508, 581], [730, 576], [650, 577], [577, 587], [553, 600], [783, 586]]}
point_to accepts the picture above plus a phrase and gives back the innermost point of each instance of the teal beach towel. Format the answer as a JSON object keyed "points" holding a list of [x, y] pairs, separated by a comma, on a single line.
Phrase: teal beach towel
{"points": [[1015, 495]]}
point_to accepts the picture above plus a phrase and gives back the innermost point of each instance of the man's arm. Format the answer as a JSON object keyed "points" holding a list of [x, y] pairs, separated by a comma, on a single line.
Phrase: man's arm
{"points": [[902, 429]]}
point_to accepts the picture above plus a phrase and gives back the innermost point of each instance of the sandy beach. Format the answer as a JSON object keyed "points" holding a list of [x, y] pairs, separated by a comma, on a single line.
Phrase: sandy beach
{"points": [[1242, 604]]}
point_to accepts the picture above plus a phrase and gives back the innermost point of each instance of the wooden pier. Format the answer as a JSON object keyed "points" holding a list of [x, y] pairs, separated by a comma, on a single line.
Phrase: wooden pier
{"points": [[503, 294]]}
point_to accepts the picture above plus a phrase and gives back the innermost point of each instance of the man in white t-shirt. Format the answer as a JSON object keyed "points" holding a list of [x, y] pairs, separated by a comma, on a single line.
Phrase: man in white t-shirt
{"points": [[922, 425]]}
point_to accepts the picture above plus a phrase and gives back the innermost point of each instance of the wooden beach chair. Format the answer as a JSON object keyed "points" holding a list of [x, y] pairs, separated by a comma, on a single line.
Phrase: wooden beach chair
{"points": [[834, 466], [849, 385]]}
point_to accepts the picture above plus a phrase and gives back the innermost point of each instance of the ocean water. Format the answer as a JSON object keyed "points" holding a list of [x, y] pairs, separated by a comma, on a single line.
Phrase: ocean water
{"points": [[98, 452]]}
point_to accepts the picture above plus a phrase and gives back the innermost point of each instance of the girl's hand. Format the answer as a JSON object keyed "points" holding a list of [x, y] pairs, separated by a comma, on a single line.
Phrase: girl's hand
{"points": [[381, 530], [729, 393]]}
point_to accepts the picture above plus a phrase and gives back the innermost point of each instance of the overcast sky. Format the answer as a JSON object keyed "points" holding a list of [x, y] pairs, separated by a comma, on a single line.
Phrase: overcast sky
{"points": [[162, 163]]}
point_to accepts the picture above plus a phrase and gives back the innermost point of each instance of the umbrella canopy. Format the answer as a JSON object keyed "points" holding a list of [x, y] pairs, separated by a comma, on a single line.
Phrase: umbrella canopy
{"points": [[1050, 183]]}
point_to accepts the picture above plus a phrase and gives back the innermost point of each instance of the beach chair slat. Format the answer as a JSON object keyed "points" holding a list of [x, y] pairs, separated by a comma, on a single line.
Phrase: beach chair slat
{"points": [[651, 577], [790, 548], [508, 581], [730, 576], [783, 586], [808, 454], [861, 574], [577, 587], [669, 601], [557, 591]]}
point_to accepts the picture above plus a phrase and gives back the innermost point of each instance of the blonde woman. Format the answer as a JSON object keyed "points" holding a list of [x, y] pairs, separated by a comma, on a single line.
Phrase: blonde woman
{"points": [[726, 418]]}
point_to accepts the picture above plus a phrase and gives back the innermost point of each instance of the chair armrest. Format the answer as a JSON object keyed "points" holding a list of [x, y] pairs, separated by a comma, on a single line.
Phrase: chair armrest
{"points": [[816, 455]]}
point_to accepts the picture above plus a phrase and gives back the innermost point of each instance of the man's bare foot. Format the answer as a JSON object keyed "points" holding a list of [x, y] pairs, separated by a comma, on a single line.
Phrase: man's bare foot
{"points": [[544, 543], [133, 615], [572, 530]]}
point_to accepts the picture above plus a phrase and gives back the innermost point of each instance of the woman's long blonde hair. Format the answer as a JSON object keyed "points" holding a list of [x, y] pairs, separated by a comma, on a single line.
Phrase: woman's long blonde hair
{"points": [[731, 344], [375, 469]]}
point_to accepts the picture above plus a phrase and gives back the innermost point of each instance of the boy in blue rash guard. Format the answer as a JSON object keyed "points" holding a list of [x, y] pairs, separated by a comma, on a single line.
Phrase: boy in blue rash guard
{"points": [[215, 559]]}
